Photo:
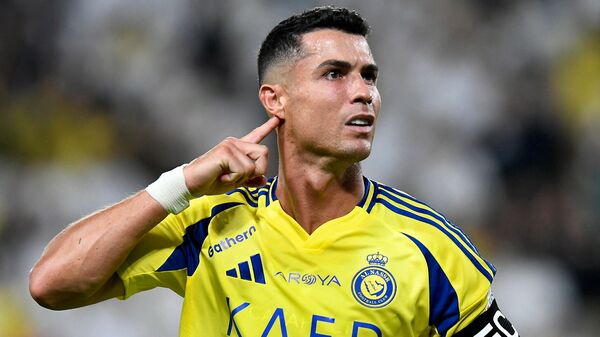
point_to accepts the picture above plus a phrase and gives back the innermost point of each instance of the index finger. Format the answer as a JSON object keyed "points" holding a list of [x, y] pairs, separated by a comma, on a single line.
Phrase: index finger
{"points": [[257, 135]]}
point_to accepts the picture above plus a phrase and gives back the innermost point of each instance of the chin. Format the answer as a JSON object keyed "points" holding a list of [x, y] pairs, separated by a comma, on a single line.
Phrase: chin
{"points": [[363, 156], [357, 154]]}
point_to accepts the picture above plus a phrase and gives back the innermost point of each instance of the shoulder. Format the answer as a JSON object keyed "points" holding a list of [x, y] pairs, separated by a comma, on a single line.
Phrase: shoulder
{"points": [[427, 228], [399, 207], [255, 196], [242, 199], [459, 277], [383, 200]]}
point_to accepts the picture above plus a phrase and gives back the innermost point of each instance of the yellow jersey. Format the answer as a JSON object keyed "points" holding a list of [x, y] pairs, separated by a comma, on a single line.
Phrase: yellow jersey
{"points": [[393, 266]]}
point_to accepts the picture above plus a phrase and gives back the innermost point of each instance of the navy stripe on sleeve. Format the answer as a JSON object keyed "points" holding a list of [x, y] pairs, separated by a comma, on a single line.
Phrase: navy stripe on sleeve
{"points": [[187, 254], [443, 301]]}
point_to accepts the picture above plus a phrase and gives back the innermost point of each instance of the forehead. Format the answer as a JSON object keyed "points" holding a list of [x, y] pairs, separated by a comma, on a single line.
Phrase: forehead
{"points": [[334, 44]]}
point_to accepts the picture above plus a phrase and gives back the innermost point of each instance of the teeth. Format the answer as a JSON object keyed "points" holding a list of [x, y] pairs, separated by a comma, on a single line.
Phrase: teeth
{"points": [[359, 122]]}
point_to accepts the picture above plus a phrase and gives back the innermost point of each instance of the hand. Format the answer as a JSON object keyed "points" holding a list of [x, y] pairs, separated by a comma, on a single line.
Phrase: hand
{"points": [[232, 163]]}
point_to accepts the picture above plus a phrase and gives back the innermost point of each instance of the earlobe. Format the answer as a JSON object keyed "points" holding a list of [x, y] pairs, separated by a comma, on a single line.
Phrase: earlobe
{"points": [[273, 99]]}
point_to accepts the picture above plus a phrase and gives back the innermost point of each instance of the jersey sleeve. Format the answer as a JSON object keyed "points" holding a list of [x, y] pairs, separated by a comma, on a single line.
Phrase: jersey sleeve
{"points": [[471, 276], [161, 258], [459, 279], [491, 322], [458, 291]]}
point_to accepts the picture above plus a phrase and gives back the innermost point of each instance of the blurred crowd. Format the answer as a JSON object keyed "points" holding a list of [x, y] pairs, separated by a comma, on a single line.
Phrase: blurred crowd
{"points": [[491, 113]]}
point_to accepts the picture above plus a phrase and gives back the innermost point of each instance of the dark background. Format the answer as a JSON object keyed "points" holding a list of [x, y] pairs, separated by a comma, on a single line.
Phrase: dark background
{"points": [[491, 113]]}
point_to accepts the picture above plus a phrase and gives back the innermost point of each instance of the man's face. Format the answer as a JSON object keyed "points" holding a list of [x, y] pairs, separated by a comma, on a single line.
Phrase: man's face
{"points": [[332, 99]]}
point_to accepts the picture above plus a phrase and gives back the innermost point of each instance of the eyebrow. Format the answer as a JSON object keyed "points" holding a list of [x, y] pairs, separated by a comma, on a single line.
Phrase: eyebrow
{"points": [[345, 65]]}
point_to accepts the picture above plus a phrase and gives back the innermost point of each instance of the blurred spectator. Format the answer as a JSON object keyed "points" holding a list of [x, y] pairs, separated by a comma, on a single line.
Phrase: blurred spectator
{"points": [[490, 110]]}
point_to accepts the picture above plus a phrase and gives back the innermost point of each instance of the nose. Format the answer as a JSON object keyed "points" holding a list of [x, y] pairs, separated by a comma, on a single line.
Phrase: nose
{"points": [[361, 92]]}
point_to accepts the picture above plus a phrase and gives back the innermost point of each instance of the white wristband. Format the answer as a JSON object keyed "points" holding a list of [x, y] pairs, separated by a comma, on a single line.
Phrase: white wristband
{"points": [[170, 191]]}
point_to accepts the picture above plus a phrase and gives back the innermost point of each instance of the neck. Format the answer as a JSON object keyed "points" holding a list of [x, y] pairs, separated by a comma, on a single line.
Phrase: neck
{"points": [[313, 193]]}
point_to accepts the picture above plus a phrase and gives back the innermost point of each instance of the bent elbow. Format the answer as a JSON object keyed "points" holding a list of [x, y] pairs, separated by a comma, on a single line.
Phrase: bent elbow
{"points": [[43, 292], [39, 289]]}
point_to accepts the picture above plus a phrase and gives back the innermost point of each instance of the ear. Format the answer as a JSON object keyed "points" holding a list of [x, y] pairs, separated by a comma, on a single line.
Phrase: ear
{"points": [[272, 97]]}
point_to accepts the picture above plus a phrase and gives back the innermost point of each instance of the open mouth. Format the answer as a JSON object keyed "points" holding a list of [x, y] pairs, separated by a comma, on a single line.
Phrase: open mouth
{"points": [[361, 121]]}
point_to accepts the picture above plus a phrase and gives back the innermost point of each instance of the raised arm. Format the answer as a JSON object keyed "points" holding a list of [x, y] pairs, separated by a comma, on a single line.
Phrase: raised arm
{"points": [[78, 267]]}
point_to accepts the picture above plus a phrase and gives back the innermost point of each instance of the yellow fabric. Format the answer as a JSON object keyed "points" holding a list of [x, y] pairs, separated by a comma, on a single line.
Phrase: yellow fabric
{"points": [[368, 273]]}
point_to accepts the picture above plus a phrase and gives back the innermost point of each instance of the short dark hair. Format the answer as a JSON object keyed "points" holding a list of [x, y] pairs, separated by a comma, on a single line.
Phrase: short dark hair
{"points": [[284, 40]]}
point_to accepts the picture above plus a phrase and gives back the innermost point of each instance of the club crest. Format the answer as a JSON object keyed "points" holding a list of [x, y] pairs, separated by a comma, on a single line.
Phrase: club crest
{"points": [[374, 286]]}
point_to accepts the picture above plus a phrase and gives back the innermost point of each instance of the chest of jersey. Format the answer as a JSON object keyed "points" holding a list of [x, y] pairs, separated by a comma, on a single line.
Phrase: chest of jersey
{"points": [[260, 274]]}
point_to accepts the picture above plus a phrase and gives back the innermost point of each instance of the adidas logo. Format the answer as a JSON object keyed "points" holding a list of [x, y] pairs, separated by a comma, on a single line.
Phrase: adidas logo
{"points": [[243, 270]]}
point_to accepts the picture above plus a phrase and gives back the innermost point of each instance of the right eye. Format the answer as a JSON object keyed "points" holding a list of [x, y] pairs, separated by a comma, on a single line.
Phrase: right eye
{"points": [[333, 74]]}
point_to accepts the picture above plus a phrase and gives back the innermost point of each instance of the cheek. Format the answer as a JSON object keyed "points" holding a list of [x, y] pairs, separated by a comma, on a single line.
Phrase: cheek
{"points": [[376, 102], [315, 104], [328, 101]]}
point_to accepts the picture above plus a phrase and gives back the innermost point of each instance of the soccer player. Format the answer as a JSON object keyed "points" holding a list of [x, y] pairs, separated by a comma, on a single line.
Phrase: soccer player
{"points": [[319, 250]]}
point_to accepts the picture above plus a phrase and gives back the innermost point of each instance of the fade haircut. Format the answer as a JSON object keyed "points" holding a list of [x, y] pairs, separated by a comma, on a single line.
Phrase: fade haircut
{"points": [[284, 42]]}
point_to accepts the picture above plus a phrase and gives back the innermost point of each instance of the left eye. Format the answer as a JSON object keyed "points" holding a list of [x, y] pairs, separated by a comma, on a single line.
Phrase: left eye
{"points": [[371, 78]]}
